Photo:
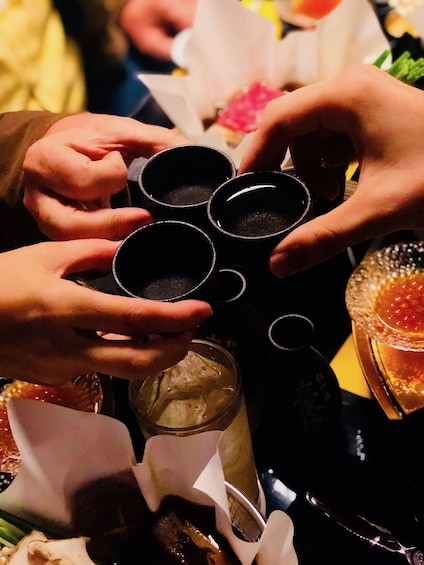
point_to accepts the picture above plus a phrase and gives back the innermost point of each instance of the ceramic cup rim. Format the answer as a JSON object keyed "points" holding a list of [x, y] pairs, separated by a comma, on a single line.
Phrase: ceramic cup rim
{"points": [[155, 225], [257, 175], [177, 149]]}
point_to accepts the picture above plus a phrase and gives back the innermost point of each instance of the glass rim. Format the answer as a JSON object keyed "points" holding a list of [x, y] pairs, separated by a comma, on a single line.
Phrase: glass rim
{"points": [[378, 268], [236, 398], [246, 504]]}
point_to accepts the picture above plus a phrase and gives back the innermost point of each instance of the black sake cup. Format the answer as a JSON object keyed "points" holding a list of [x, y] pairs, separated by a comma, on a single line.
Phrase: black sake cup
{"points": [[252, 212], [168, 261], [176, 183]]}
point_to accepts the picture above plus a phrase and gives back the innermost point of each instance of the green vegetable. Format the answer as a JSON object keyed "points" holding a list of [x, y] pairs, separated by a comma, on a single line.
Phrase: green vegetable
{"points": [[381, 58], [16, 521], [9, 533], [13, 528], [404, 68]]}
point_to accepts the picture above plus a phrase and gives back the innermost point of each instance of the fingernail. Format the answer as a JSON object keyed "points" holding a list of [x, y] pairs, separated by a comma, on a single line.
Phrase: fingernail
{"points": [[279, 266]]}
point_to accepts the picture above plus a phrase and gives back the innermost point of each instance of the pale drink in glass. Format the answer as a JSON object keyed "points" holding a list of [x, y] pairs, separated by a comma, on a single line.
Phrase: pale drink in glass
{"points": [[202, 392]]}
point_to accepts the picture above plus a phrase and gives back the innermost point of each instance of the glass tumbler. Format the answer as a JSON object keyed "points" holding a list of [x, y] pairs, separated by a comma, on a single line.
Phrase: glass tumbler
{"points": [[203, 392]]}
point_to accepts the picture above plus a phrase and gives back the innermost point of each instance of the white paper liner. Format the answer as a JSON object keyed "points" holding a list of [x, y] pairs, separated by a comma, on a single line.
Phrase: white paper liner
{"points": [[230, 47], [62, 449]]}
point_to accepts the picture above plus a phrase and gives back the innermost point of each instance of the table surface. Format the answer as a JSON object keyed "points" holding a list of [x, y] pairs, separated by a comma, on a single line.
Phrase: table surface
{"points": [[370, 464], [367, 463]]}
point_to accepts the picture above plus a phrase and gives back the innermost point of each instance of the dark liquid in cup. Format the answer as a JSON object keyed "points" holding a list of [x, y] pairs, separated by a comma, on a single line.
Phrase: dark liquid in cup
{"points": [[187, 194], [166, 287], [258, 211]]}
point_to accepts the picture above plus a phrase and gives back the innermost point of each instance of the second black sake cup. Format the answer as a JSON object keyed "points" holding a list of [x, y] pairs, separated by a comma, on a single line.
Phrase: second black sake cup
{"points": [[252, 212], [168, 261]]}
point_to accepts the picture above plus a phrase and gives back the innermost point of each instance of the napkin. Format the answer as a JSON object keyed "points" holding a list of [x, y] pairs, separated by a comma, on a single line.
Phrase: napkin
{"points": [[230, 47], [62, 449]]}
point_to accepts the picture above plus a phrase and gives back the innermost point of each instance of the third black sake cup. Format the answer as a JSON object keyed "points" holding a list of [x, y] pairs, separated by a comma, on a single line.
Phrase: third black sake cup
{"points": [[168, 261], [252, 212]]}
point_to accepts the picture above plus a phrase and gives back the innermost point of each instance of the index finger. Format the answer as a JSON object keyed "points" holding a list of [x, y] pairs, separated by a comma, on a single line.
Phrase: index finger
{"points": [[71, 173], [125, 316], [107, 133], [285, 118]]}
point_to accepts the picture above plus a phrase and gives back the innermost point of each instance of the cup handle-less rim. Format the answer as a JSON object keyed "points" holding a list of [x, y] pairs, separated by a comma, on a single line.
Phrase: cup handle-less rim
{"points": [[306, 214]]}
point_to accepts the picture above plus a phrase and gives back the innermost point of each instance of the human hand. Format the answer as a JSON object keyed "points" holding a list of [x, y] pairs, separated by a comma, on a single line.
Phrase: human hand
{"points": [[152, 24], [71, 173], [363, 114], [52, 329]]}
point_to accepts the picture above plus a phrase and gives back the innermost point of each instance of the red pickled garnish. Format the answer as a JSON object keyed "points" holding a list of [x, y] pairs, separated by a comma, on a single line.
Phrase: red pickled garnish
{"points": [[243, 113]]}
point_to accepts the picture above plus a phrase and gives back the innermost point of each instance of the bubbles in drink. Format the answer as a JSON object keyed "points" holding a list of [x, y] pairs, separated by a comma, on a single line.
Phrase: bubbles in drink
{"points": [[188, 194], [257, 223], [259, 211], [166, 287], [188, 394]]}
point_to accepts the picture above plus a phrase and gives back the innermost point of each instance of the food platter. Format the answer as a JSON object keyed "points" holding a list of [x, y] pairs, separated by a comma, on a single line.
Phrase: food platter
{"points": [[98, 492]]}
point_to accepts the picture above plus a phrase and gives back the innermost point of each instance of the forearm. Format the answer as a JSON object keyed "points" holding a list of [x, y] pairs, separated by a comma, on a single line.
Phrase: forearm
{"points": [[19, 130]]}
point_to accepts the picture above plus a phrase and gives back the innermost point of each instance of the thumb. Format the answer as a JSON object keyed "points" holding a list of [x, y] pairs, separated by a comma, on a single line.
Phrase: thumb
{"points": [[66, 257], [323, 237]]}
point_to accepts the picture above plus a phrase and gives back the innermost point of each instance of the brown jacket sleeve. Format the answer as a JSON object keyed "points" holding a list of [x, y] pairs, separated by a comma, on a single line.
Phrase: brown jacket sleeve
{"points": [[18, 130]]}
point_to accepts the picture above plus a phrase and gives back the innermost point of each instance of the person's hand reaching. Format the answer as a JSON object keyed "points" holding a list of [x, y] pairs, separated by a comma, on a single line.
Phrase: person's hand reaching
{"points": [[364, 114], [152, 25], [53, 329], [72, 172]]}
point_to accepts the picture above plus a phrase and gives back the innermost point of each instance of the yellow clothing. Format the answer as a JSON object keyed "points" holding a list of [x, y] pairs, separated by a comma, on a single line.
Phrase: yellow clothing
{"points": [[40, 68]]}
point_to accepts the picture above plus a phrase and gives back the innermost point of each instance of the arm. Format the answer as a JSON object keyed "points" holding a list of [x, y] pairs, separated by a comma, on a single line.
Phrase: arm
{"points": [[152, 24], [363, 114], [19, 130], [52, 329]]}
